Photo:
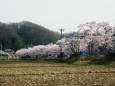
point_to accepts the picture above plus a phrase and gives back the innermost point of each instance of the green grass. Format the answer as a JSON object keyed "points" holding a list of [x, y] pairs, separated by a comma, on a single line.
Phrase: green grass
{"points": [[46, 73]]}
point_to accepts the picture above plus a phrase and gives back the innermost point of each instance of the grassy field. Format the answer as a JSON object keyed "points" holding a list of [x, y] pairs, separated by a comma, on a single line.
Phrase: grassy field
{"points": [[44, 73]]}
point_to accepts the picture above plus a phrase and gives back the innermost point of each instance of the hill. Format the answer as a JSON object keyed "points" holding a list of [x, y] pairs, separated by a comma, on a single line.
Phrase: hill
{"points": [[25, 34]]}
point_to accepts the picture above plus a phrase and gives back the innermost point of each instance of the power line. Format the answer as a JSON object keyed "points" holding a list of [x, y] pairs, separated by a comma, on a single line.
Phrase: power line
{"points": [[72, 28]]}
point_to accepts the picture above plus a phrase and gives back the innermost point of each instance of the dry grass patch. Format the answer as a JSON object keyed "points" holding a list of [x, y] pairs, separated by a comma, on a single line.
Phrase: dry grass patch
{"points": [[33, 73]]}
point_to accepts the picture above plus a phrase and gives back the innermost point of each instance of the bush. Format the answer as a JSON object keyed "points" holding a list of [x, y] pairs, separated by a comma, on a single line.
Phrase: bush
{"points": [[73, 59], [98, 59]]}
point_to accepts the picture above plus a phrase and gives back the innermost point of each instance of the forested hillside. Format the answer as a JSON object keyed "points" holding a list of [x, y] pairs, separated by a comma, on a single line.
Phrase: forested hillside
{"points": [[24, 34]]}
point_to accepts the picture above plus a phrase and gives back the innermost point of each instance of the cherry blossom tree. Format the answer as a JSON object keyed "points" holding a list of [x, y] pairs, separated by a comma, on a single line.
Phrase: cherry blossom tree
{"points": [[98, 36]]}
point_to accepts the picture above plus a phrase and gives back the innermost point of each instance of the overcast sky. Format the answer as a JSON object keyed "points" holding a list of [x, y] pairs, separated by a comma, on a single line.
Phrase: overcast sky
{"points": [[56, 14]]}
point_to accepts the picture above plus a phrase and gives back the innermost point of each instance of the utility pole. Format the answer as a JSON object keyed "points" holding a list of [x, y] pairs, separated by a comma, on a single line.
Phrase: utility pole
{"points": [[1, 50], [61, 53], [61, 30]]}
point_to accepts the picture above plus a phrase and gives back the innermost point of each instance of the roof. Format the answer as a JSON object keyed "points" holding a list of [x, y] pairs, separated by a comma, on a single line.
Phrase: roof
{"points": [[10, 54], [3, 52], [7, 50]]}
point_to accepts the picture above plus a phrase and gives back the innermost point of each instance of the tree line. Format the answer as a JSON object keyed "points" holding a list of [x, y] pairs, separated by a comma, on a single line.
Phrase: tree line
{"points": [[92, 37]]}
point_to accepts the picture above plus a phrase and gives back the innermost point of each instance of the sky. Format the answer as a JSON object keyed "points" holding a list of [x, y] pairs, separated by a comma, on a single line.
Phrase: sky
{"points": [[56, 14]]}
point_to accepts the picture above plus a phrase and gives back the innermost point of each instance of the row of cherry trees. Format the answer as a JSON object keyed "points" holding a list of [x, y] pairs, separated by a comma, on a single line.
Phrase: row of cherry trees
{"points": [[92, 37], [40, 51]]}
